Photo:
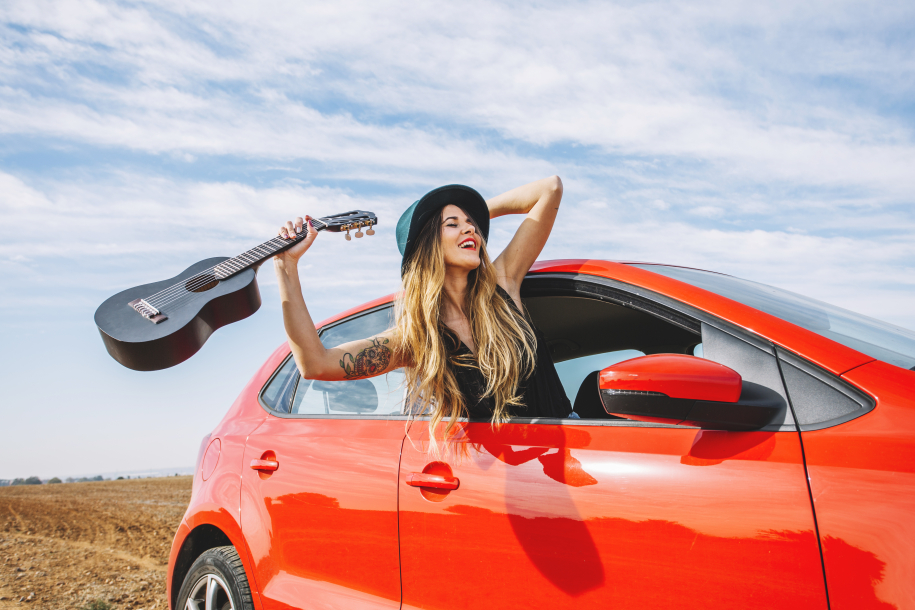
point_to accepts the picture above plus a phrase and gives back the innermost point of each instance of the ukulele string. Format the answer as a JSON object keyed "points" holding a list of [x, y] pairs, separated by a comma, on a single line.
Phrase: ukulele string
{"points": [[183, 290], [179, 292], [174, 293], [170, 295]]}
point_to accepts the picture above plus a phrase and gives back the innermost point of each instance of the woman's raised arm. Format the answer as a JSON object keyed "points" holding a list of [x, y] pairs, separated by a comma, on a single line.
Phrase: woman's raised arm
{"points": [[540, 201], [375, 355]]}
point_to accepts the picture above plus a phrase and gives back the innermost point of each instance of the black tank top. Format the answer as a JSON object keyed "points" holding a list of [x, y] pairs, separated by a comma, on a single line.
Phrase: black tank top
{"points": [[542, 393]]}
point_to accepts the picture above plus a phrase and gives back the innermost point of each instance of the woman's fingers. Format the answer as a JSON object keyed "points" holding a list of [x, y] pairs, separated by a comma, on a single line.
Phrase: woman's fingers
{"points": [[293, 229], [311, 233]]}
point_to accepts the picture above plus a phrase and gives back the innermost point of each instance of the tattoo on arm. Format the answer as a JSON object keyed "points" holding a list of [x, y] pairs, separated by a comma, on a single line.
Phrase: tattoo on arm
{"points": [[368, 362]]}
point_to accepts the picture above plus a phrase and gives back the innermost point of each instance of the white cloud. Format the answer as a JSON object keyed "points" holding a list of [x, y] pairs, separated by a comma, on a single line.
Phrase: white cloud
{"points": [[643, 80]]}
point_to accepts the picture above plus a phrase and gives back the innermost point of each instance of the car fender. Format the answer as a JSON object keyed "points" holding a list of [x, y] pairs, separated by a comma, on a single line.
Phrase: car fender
{"points": [[225, 522]]}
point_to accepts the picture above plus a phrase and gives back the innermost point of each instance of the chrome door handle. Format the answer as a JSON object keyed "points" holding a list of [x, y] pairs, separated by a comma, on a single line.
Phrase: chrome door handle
{"points": [[421, 479], [265, 465]]}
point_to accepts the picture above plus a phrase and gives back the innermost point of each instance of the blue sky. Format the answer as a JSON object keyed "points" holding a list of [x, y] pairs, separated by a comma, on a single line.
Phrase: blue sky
{"points": [[770, 141]]}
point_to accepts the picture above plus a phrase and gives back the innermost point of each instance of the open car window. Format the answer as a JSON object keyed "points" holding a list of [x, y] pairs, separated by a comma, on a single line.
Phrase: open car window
{"points": [[586, 335]]}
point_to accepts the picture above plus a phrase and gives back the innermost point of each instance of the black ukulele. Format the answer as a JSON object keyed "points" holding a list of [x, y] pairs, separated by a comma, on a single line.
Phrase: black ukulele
{"points": [[158, 325]]}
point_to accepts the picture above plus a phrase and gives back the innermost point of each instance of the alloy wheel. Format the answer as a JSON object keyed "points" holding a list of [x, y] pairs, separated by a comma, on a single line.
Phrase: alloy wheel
{"points": [[210, 593]]}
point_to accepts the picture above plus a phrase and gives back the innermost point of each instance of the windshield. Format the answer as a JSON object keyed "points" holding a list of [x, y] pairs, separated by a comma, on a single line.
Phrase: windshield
{"points": [[872, 337]]}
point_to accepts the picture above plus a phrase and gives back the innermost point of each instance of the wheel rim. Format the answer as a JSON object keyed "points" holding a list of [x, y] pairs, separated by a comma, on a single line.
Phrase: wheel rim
{"points": [[210, 593]]}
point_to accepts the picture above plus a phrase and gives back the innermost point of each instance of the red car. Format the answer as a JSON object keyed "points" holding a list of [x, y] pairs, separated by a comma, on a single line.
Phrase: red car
{"points": [[767, 460]]}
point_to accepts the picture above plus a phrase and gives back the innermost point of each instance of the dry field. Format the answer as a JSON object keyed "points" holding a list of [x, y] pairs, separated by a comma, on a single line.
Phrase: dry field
{"points": [[63, 546]]}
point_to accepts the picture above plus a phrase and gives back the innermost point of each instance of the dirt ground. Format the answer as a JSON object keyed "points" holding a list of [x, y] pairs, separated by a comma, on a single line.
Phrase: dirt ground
{"points": [[64, 546]]}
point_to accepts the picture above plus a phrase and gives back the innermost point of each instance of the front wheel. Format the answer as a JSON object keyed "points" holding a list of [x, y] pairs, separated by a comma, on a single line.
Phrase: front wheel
{"points": [[216, 581]]}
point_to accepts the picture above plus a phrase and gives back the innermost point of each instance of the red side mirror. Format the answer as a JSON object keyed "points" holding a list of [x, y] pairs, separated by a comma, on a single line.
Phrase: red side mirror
{"points": [[675, 376], [678, 389]]}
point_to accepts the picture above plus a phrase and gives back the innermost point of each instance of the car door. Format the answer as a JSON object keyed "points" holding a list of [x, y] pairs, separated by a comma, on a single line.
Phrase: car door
{"points": [[603, 512], [322, 525]]}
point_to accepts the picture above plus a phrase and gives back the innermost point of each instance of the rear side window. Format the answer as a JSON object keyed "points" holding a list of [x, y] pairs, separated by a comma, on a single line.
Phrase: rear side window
{"points": [[382, 395], [279, 392], [363, 327], [288, 393]]}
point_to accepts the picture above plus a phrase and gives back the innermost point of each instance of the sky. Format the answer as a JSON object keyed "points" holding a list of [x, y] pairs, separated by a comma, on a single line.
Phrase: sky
{"points": [[771, 141]]}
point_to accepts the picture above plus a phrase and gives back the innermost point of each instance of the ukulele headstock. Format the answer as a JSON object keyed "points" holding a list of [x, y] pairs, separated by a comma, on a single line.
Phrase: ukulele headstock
{"points": [[349, 221]]}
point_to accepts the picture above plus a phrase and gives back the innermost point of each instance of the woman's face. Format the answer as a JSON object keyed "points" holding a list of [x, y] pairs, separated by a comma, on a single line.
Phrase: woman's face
{"points": [[460, 240]]}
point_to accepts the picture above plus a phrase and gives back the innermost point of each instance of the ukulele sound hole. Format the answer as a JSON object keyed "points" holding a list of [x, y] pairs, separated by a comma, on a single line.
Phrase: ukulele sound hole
{"points": [[201, 283]]}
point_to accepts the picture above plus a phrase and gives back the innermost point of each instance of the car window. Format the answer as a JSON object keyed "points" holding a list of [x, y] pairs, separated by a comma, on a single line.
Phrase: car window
{"points": [[573, 372], [586, 335], [279, 392], [376, 396], [382, 395], [362, 327]]}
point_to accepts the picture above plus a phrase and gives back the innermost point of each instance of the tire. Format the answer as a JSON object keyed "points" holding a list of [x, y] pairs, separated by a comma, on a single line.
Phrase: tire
{"points": [[216, 581]]}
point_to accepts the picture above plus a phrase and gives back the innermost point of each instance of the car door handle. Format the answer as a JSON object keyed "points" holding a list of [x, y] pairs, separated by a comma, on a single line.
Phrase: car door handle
{"points": [[421, 479], [261, 465]]}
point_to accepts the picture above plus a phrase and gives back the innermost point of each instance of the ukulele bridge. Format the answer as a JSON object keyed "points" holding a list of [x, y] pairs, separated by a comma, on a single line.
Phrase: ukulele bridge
{"points": [[148, 311]]}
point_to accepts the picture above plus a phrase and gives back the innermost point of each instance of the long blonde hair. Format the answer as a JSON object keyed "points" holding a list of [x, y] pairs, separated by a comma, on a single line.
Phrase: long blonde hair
{"points": [[505, 342]]}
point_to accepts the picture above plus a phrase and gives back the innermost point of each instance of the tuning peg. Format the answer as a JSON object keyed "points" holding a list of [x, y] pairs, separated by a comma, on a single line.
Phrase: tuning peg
{"points": [[370, 230], [347, 235], [358, 232]]}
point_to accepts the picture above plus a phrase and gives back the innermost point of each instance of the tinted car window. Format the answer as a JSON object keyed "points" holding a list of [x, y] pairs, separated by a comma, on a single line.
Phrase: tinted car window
{"points": [[278, 394], [363, 327], [382, 395]]}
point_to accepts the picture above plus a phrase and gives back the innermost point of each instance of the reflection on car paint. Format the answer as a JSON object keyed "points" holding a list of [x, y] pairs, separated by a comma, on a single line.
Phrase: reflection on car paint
{"points": [[570, 518]]}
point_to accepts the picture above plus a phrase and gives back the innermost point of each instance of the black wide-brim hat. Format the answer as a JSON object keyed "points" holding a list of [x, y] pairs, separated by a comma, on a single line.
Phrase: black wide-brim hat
{"points": [[417, 215]]}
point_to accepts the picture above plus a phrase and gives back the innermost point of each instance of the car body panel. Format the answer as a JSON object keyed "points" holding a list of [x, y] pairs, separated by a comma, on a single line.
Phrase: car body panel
{"points": [[862, 478], [323, 526], [642, 517], [563, 514], [216, 501]]}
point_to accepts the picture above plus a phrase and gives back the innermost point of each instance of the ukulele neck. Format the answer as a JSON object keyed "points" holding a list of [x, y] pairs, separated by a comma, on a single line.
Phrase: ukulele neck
{"points": [[258, 254], [338, 223]]}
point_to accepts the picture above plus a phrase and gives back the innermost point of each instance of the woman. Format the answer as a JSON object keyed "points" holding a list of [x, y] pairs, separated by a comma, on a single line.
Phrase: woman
{"points": [[461, 336]]}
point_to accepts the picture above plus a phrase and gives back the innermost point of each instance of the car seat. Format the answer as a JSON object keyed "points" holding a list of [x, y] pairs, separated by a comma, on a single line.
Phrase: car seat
{"points": [[588, 404]]}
